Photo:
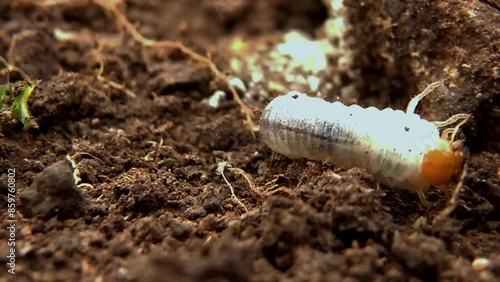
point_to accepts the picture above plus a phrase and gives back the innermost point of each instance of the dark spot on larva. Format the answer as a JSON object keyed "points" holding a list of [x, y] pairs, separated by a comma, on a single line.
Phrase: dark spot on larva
{"points": [[409, 150], [295, 96], [407, 128], [350, 115]]}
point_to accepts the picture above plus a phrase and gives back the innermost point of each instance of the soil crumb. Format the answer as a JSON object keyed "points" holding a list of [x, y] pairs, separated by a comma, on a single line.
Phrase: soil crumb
{"points": [[53, 193]]}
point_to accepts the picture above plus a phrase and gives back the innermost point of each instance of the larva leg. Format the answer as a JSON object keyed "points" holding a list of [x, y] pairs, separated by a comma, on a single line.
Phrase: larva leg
{"points": [[277, 157], [451, 120], [458, 126], [412, 105], [447, 133], [453, 131], [423, 200], [453, 203]]}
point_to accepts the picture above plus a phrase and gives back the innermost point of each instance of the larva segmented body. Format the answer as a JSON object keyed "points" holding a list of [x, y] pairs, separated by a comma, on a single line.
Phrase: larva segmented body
{"points": [[390, 144]]}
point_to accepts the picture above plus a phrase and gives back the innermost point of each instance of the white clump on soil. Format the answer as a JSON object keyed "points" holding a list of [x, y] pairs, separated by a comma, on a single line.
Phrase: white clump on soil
{"points": [[298, 61], [216, 99], [310, 55], [292, 61]]}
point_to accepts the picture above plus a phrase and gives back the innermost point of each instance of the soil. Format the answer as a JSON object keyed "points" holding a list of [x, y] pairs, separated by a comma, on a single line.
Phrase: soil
{"points": [[154, 206]]}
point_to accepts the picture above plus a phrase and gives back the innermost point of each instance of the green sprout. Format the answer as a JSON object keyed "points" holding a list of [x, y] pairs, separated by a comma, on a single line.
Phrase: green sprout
{"points": [[14, 98]]}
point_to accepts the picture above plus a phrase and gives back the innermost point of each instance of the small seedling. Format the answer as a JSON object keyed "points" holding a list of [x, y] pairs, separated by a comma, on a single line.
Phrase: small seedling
{"points": [[220, 169], [76, 171], [14, 97]]}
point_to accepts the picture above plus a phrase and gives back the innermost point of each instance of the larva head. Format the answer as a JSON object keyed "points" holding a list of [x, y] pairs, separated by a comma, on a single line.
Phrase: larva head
{"points": [[444, 163]]}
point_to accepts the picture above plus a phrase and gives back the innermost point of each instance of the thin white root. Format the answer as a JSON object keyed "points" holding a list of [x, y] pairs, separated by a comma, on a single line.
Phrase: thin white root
{"points": [[220, 168], [85, 185], [76, 171], [255, 193], [151, 156], [113, 84], [412, 105]]}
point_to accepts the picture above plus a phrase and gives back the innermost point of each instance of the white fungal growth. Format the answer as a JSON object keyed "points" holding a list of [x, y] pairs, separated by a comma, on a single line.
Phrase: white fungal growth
{"points": [[216, 99], [389, 144], [310, 55]]}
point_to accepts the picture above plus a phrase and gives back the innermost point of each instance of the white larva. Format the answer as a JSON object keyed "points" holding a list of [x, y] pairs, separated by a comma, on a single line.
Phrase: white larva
{"points": [[399, 149]]}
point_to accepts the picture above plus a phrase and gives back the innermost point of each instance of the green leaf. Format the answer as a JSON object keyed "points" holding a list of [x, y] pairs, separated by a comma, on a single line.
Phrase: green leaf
{"points": [[20, 107]]}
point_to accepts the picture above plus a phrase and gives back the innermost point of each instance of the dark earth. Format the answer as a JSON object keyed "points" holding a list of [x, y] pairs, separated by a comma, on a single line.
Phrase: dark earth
{"points": [[147, 146]]}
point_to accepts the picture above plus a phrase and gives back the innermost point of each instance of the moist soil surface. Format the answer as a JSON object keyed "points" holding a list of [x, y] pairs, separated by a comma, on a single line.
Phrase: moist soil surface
{"points": [[149, 150]]}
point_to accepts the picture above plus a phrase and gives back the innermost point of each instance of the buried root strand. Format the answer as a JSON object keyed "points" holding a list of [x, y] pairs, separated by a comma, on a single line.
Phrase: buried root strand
{"points": [[122, 22], [221, 166]]}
